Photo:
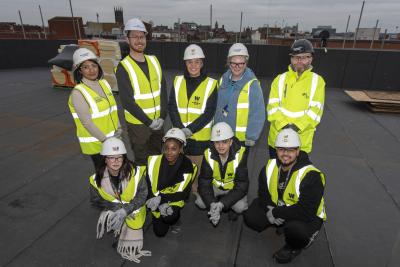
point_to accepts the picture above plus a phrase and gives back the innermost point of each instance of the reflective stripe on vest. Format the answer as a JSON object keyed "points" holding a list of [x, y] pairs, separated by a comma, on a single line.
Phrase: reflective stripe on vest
{"points": [[187, 109], [146, 93], [227, 182], [242, 111], [103, 112], [309, 112], [136, 221], [293, 185]]}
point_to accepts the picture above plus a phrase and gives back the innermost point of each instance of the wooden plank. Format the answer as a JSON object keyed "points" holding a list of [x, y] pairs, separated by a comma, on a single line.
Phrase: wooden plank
{"points": [[384, 95], [361, 96]]}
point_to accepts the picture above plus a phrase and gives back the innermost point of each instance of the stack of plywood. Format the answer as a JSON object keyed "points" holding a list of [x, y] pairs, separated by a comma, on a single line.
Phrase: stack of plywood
{"points": [[109, 54], [378, 101]]}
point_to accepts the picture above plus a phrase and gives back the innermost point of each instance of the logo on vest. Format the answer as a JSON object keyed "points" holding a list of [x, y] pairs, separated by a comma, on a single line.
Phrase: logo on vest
{"points": [[230, 174], [196, 100], [98, 99], [305, 95], [291, 195]]}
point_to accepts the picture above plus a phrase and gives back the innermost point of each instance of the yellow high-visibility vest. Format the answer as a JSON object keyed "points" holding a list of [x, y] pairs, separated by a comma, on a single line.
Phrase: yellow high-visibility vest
{"points": [[103, 112]]}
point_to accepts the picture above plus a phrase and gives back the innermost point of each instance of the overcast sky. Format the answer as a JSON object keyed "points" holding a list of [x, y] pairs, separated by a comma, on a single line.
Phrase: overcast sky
{"points": [[308, 13]]}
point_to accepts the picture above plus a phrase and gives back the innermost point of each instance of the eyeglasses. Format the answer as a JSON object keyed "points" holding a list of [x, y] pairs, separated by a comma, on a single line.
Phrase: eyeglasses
{"points": [[237, 64], [89, 66], [285, 149], [300, 58], [136, 38], [115, 159]]}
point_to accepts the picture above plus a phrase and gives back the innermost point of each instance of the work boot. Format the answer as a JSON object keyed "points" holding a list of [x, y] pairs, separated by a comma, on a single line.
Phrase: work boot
{"points": [[232, 216], [286, 254]]}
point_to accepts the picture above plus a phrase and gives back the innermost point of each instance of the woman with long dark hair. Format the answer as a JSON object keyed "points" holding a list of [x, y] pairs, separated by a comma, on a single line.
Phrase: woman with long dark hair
{"points": [[92, 105], [119, 189]]}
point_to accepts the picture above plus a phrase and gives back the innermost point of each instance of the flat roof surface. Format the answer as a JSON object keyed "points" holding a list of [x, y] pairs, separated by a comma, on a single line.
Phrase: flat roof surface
{"points": [[46, 218]]}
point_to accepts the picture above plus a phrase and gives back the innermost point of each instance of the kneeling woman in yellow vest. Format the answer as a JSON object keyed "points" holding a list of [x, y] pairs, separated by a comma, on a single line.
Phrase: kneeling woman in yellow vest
{"points": [[223, 179], [169, 179], [92, 105], [119, 189]]}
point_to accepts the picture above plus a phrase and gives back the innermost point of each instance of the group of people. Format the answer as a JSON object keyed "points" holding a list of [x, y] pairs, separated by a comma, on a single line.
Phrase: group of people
{"points": [[214, 125]]}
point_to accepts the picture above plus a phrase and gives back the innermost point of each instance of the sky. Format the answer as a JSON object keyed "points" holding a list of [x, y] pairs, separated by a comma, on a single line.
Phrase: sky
{"points": [[256, 13]]}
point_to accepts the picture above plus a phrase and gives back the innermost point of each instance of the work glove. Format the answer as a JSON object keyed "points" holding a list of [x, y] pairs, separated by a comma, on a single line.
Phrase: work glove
{"points": [[292, 126], [154, 124], [117, 219], [272, 219], [215, 212], [188, 133], [249, 143], [118, 133], [160, 124], [153, 203], [165, 209]]}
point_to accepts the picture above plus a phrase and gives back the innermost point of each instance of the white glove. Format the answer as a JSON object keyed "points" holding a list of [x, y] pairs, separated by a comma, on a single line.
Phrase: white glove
{"points": [[117, 219], [154, 124], [272, 219], [249, 143], [153, 203], [215, 212], [118, 133], [159, 125], [165, 209], [188, 133]]}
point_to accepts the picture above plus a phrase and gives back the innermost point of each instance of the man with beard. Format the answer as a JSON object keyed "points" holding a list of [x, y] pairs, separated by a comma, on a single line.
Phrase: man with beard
{"points": [[296, 98], [143, 94], [290, 197]]}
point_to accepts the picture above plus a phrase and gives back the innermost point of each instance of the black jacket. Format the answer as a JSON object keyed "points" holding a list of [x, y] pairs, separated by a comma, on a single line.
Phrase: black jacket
{"points": [[193, 147], [311, 193], [171, 175], [241, 179]]}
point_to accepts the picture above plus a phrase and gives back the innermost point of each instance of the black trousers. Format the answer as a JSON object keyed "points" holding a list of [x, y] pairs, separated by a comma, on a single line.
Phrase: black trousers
{"points": [[97, 160], [161, 225], [144, 142], [298, 234]]}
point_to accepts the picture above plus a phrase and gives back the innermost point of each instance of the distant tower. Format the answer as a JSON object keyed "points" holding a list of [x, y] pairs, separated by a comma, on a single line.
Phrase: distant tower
{"points": [[119, 16]]}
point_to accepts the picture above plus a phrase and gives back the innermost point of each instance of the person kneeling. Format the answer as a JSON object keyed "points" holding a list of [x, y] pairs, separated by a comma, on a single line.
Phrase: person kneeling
{"points": [[169, 177], [119, 190], [223, 179], [290, 195]]}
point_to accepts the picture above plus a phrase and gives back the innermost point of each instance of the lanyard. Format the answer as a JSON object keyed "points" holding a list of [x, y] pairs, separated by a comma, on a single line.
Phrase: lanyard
{"points": [[281, 190], [118, 191]]}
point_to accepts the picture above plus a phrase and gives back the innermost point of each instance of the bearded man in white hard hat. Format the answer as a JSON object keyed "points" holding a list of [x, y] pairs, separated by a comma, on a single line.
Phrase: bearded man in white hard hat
{"points": [[169, 179], [143, 94], [290, 197], [223, 179], [240, 98], [192, 105]]}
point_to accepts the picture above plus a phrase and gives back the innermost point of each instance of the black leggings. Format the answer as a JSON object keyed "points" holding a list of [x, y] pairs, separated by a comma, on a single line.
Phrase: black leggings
{"points": [[298, 234], [161, 225]]}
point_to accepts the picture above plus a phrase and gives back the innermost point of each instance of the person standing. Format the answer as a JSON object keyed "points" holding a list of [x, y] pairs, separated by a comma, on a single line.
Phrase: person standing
{"points": [[92, 105], [290, 196], [240, 98], [143, 94], [296, 99], [223, 179], [169, 178], [192, 105], [119, 190]]}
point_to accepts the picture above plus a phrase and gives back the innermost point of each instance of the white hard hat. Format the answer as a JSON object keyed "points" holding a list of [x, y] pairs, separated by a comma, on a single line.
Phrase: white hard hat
{"points": [[221, 131], [287, 138], [238, 49], [193, 51], [113, 146], [81, 55], [135, 24], [175, 133]]}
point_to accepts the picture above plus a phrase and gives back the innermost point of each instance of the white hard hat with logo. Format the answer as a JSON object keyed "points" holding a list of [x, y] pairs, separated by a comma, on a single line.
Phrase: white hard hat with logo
{"points": [[135, 24], [81, 55], [238, 49], [113, 146], [221, 131], [287, 138], [193, 51], [177, 134]]}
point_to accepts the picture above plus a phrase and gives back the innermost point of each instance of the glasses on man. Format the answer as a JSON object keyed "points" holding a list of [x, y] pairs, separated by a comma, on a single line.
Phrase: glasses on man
{"points": [[286, 149], [301, 58], [237, 64], [137, 37], [115, 159], [89, 66]]}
